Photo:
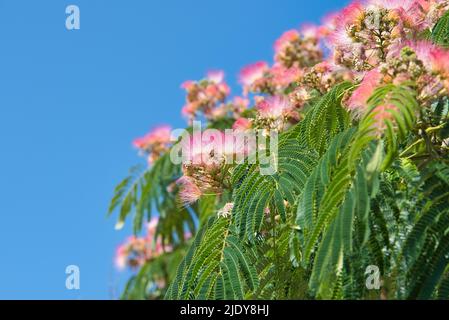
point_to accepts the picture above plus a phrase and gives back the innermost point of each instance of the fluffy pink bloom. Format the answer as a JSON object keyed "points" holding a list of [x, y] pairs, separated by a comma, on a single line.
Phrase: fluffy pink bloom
{"points": [[361, 95], [188, 85], [425, 51], [158, 135], [218, 112], [239, 105], [274, 107], [203, 96], [310, 31], [224, 89], [203, 149], [283, 77], [434, 58], [440, 61], [121, 257], [242, 124], [132, 253], [285, 39], [346, 49], [189, 110], [216, 76], [324, 67], [250, 74], [300, 49], [152, 226], [237, 146], [242, 102], [226, 211], [350, 14], [135, 251], [412, 12], [329, 24], [343, 20], [210, 149], [190, 192]]}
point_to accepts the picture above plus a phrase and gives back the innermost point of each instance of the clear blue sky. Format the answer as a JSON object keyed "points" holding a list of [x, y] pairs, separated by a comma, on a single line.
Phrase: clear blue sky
{"points": [[72, 101]]}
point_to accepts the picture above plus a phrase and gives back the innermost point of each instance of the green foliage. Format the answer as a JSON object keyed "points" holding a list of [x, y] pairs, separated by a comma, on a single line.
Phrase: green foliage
{"points": [[217, 266], [150, 281], [440, 33], [146, 190], [327, 118], [255, 192]]}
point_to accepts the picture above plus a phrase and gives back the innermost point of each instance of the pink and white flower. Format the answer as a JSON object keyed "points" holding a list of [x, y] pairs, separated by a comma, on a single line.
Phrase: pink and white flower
{"points": [[252, 73], [274, 107], [359, 98], [216, 76]]}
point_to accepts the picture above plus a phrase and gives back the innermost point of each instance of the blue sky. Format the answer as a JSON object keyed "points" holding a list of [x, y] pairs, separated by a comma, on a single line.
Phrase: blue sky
{"points": [[72, 101]]}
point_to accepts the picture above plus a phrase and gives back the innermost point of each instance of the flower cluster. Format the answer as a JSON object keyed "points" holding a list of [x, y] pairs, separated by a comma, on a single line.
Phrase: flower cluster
{"points": [[366, 32], [155, 143], [205, 96], [205, 156], [226, 211], [420, 64], [138, 250], [275, 113], [298, 48]]}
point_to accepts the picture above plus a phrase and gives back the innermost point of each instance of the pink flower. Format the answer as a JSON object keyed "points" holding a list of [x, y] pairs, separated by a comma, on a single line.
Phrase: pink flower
{"points": [[361, 95], [188, 85], [202, 97], [440, 61], [187, 235], [310, 31], [239, 105], [212, 90], [159, 135], [190, 192], [283, 77], [350, 14], [250, 74], [324, 67], [405, 5], [203, 148], [285, 39], [216, 76], [121, 257], [189, 110], [340, 24], [152, 226], [224, 89], [242, 124], [274, 107], [241, 102], [329, 24], [218, 112], [226, 211], [434, 58]]}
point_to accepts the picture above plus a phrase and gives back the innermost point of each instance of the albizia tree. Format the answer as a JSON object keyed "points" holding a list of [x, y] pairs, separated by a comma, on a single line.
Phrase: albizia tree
{"points": [[361, 180]]}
